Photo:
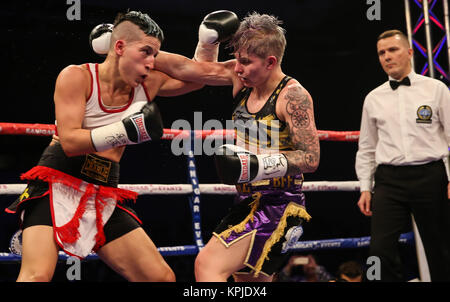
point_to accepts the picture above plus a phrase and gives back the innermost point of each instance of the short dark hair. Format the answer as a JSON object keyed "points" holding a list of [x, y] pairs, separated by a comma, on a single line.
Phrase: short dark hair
{"points": [[351, 269], [143, 21], [391, 33]]}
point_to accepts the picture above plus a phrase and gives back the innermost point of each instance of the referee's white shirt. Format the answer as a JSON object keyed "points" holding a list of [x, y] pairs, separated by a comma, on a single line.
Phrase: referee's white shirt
{"points": [[406, 126]]}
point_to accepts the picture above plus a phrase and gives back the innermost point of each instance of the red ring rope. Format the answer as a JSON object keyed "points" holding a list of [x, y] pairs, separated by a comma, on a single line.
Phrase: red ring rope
{"points": [[47, 130]]}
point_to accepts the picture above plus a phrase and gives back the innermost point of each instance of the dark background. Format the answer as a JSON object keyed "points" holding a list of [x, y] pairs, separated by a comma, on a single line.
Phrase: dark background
{"points": [[331, 51]]}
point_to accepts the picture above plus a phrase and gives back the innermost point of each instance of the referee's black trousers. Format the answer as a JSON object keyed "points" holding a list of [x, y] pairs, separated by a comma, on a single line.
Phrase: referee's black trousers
{"points": [[398, 192]]}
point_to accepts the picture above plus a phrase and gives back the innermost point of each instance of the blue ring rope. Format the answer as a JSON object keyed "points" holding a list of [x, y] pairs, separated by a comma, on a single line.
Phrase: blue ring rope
{"points": [[194, 202], [300, 246]]}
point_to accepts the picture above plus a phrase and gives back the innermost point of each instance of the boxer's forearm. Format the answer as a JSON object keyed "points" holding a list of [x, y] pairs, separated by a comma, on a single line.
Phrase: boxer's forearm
{"points": [[302, 161], [306, 156], [182, 68], [175, 65], [76, 142]]}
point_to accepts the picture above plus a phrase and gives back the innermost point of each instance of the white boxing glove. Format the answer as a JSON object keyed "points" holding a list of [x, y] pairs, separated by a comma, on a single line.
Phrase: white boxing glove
{"points": [[100, 38]]}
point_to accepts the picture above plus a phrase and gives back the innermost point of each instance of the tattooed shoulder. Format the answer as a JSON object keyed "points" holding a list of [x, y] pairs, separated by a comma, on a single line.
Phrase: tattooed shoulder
{"points": [[302, 131], [298, 106], [297, 97]]}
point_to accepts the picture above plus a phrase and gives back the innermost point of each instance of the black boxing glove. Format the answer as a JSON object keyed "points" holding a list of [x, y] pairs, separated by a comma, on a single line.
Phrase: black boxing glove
{"points": [[136, 128], [100, 38], [237, 165], [216, 27]]}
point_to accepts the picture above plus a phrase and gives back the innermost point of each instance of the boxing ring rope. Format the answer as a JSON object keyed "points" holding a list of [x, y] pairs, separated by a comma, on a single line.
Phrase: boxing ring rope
{"points": [[48, 129], [194, 190]]}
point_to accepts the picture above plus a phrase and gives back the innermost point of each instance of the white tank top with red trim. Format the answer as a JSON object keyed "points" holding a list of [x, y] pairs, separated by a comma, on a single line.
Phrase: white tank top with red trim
{"points": [[98, 114]]}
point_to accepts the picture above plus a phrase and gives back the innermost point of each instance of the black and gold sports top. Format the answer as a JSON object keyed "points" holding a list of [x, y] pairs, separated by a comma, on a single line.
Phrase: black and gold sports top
{"points": [[263, 129]]}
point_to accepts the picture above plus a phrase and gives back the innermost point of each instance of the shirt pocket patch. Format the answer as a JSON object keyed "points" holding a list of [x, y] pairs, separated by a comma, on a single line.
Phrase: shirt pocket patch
{"points": [[424, 114]]}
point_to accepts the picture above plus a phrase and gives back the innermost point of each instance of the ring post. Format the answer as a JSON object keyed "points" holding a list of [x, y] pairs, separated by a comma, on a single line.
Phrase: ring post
{"points": [[194, 198]]}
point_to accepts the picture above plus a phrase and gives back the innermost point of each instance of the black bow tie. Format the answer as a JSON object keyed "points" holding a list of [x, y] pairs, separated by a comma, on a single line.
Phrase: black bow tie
{"points": [[395, 84]]}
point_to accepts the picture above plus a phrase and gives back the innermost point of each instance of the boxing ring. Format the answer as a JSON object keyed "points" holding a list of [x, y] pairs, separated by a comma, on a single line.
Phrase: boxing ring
{"points": [[194, 190]]}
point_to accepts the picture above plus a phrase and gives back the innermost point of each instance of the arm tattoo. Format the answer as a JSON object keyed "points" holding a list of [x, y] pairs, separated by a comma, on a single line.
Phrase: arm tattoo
{"points": [[296, 107], [303, 133]]}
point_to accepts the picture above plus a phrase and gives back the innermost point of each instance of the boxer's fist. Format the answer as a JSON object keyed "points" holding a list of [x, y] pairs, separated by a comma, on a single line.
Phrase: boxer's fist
{"points": [[218, 27], [144, 125], [100, 38], [136, 128], [237, 165]]}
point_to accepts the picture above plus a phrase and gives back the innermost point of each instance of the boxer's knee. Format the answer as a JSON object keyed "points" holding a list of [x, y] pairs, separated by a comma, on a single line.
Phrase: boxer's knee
{"points": [[202, 266], [162, 275], [167, 276], [149, 272], [42, 275], [207, 268]]}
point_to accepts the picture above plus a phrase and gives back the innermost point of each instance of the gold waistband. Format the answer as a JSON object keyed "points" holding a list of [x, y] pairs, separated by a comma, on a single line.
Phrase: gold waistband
{"points": [[284, 182]]}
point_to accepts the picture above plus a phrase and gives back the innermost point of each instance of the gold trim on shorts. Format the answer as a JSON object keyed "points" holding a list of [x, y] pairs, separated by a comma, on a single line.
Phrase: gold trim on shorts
{"points": [[249, 251], [292, 209]]}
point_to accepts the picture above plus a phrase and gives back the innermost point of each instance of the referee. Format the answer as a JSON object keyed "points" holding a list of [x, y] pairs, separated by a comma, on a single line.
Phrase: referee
{"points": [[402, 161]]}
